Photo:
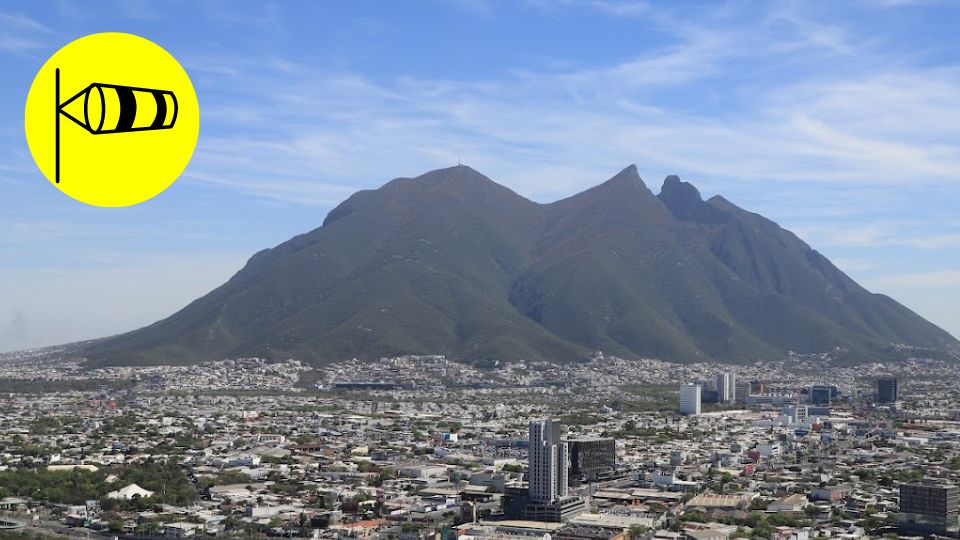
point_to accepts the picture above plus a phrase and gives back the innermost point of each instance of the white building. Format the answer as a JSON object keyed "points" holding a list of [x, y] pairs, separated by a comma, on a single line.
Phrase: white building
{"points": [[769, 449], [798, 414], [690, 399], [130, 492], [548, 461], [664, 478], [726, 387]]}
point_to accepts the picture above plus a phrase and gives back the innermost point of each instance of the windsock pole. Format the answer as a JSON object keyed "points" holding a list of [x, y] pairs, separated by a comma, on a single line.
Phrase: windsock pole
{"points": [[57, 129]]}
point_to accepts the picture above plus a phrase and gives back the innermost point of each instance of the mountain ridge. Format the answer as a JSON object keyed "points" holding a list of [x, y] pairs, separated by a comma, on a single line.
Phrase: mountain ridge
{"points": [[451, 262]]}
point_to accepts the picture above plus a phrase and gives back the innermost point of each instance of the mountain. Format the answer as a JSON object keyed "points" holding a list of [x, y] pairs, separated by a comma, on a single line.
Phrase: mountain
{"points": [[453, 263]]}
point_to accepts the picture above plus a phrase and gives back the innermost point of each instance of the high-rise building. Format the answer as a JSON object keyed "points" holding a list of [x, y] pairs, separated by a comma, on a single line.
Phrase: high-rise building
{"points": [[822, 394], [742, 391], [708, 394], [690, 399], [757, 388], [929, 508], [592, 458], [546, 498], [548, 461], [887, 391], [726, 387]]}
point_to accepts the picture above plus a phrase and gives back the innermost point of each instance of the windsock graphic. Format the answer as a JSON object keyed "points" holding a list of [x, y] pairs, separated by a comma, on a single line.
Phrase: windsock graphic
{"points": [[103, 108]]}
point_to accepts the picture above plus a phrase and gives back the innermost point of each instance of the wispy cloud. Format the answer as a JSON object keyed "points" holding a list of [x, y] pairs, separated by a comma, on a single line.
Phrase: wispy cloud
{"points": [[20, 34], [22, 22], [854, 265], [948, 278], [41, 231], [843, 127], [918, 234]]}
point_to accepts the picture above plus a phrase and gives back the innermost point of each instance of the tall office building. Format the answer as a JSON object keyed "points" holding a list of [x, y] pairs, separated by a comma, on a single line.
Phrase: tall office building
{"points": [[548, 461], [690, 399], [726, 387], [929, 508], [547, 498], [887, 391], [822, 394], [592, 458]]}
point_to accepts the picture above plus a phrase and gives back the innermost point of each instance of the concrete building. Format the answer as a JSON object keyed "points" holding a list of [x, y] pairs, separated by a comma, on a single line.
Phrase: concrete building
{"points": [[929, 508], [548, 461], [690, 399], [180, 529], [726, 387], [791, 503], [769, 449], [560, 510], [710, 501], [547, 497], [887, 390], [796, 414], [589, 532]]}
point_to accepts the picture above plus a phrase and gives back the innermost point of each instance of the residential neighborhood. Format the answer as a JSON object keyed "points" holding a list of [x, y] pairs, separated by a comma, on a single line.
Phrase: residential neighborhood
{"points": [[423, 447]]}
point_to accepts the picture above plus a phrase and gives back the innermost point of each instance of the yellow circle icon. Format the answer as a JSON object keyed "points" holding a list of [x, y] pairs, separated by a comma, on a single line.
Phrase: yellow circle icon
{"points": [[112, 119]]}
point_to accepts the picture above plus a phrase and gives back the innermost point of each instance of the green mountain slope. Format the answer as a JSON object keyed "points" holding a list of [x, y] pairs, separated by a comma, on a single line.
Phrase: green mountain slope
{"points": [[452, 263]]}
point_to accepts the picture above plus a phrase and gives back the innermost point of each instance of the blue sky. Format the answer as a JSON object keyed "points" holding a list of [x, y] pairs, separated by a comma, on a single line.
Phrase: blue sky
{"points": [[839, 120]]}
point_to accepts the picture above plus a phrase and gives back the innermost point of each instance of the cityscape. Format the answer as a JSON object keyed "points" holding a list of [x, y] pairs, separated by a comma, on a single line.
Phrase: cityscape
{"points": [[423, 447]]}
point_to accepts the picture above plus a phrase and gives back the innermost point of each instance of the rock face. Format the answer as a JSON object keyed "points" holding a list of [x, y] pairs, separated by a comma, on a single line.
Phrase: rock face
{"points": [[453, 263]]}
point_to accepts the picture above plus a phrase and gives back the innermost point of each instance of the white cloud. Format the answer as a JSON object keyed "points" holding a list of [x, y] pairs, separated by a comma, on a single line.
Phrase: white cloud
{"points": [[841, 126], [884, 233], [20, 34], [851, 265], [948, 278], [22, 22]]}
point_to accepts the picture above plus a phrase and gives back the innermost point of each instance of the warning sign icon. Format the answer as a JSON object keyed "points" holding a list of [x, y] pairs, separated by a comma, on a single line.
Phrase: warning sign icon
{"points": [[111, 119]]}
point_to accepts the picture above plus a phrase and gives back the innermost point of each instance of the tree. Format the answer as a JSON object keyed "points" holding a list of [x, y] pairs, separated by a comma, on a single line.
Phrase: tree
{"points": [[698, 517], [114, 520]]}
